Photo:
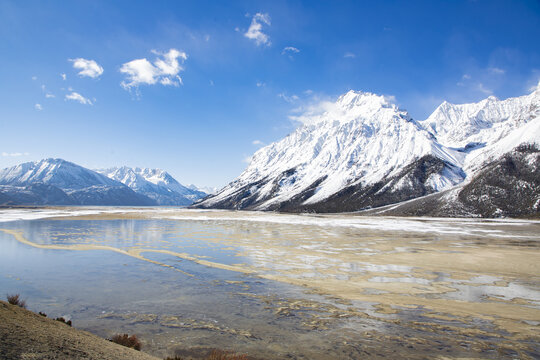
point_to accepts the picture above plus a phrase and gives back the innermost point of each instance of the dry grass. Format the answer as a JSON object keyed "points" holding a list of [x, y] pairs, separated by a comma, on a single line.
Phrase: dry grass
{"points": [[225, 355], [127, 341], [61, 319], [16, 300]]}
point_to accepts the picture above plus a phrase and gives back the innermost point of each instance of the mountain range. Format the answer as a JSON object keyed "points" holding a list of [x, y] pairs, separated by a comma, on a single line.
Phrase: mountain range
{"points": [[363, 152], [60, 182]]}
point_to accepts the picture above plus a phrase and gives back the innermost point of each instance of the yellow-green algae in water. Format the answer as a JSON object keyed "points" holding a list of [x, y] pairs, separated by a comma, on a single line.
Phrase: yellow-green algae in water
{"points": [[487, 272]]}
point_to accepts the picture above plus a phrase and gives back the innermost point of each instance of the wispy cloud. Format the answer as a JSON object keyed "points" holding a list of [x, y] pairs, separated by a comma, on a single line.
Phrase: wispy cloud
{"points": [[89, 68], [64, 76], [34, 78], [16, 154], [496, 70], [480, 87], [349, 55], [313, 112], [247, 159], [255, 29], [260, 84], [79, 98], [38, 107], [289, 99], [290, 50], [163, 70], [48, 95], [257, 142]]}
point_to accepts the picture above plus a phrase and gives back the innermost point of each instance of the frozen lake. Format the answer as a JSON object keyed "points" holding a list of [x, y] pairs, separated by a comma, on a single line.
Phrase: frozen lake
{"points": [[278, 285]]}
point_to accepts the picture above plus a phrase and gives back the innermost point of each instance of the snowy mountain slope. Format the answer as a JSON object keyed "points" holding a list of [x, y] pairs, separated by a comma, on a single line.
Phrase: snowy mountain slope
{"points": [[57, 172], [60, 182], [34, 194], [363, 152], [154, 183], [508, 186], [485, 122], [526, 134], [360, 139]]}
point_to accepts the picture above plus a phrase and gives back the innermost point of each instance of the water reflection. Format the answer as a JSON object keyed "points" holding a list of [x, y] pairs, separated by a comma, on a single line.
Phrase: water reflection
{"points": [[216, 283]]}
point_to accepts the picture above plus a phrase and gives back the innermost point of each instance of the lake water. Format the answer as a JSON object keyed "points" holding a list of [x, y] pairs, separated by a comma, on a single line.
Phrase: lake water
{"points": [[281, 286]]}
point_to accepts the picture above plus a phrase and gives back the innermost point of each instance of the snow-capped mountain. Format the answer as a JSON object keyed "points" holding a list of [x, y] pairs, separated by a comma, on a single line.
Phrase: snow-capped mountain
{"points": [[363, 152], [56, 172], [472, 125], [208, 190], [60, 182], [154, 183]]}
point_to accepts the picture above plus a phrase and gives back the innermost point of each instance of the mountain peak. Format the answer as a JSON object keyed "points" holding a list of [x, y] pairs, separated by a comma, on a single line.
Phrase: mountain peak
{"points": [[54, 161], [365, 99], [356, 106], [157, 184]]}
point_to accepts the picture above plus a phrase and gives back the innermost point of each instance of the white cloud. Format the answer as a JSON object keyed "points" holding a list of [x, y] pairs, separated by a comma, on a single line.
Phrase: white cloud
{"points": [[163, 70], [260, 84], [78, 97], [257, 142], [14, 154], [308, 92], [466, 77], [64, 76], [88, 68], [34, 78], [289, 99], [38, 107], [290, 49], [247, 159], [349, 55], [496, 70], [255, 29]]}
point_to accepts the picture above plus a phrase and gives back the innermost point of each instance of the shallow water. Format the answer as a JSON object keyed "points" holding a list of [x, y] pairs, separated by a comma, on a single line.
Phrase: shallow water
{"points": [[281, 286]]}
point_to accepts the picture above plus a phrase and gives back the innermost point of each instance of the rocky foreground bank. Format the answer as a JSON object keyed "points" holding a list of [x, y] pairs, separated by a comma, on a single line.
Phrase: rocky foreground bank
{"points": [[26, 335]]}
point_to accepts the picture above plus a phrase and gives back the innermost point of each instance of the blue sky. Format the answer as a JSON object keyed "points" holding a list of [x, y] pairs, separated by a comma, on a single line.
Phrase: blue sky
{"points": [[195, 87]]}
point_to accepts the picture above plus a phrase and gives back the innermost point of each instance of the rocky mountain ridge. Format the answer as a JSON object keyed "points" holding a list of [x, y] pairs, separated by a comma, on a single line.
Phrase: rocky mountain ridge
{"points": [[363, 151], [156, 184]]}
